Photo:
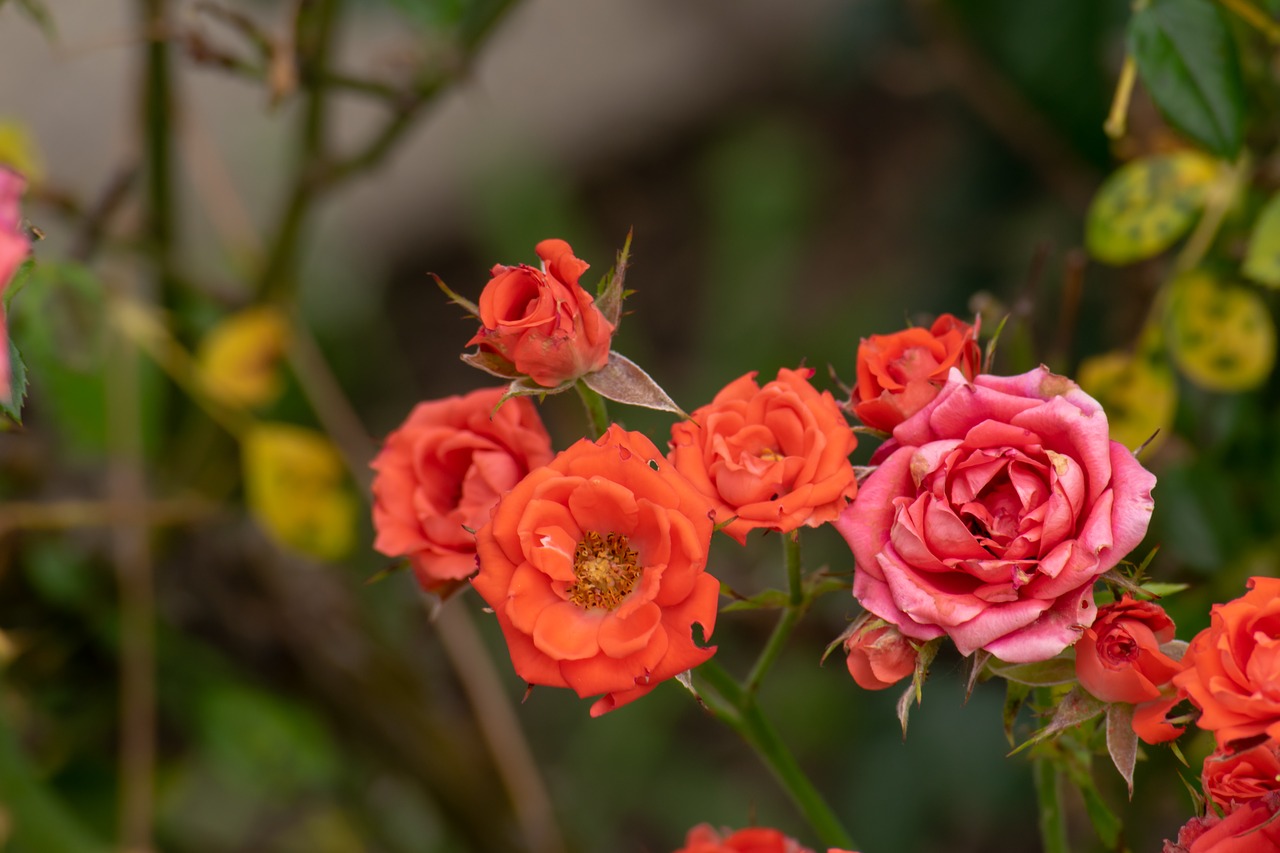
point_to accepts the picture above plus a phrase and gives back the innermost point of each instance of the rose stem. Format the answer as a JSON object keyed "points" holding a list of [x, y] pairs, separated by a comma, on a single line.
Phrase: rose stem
{"points": [[796, 606], [746, 718], [1053, 825], [597, 413]]}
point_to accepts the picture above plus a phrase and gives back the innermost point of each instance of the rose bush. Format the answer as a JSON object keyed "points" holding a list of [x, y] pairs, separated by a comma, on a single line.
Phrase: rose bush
{"points": [[878, 656], [594, 565], [1232, 668], [442, 471], [14, 247], [1231, 778], [757, 839], [992, 511], [541, 321], [774, 457], [1118, 658], [899, 374], [1252, 827]]}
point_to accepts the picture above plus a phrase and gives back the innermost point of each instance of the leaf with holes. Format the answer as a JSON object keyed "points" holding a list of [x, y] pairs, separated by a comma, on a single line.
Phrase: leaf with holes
{"points": [[1186, 57], [1146, 205], [1221, 334]]}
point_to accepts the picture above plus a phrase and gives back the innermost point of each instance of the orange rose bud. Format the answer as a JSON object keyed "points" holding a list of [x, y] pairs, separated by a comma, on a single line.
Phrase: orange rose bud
{"points": [[542, 321], [879, 656], [1232, 668], [899, 374], [593, 565], [442, 471], [1118, 658], [773, 457]]}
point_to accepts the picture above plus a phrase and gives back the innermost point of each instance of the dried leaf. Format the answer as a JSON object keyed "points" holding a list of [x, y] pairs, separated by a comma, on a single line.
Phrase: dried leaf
{"points": [[622, 381], [977, 663], [1122, 741], [238, 361], [491, 363], [904, 707]]}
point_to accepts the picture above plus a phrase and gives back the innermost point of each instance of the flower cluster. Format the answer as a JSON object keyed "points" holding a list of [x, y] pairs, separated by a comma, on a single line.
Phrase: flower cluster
{"points": [[989, 516]]}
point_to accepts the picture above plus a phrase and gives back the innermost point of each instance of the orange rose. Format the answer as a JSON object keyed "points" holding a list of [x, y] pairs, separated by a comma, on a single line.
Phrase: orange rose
{"points": [[775, 457], [1249, 828], [879, 656], [1238, 777], [757, 839], [899, 374], [594, 564], [1118, 658], [1232, 668], [542, 321], [442, 471]]}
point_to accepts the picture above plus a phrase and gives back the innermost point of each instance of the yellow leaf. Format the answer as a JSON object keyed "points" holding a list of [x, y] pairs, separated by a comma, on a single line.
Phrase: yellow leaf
{"points": [[1262, 260], [19, 152], [1146, 205], [1138, 392], [294, 486], [238, 362], [1221, 335]]}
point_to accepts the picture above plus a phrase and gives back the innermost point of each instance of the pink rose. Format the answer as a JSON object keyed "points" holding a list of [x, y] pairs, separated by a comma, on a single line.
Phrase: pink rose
{"points": [[993, 510], [442, 471], [879, 656], [542, 321], [14, 248]]}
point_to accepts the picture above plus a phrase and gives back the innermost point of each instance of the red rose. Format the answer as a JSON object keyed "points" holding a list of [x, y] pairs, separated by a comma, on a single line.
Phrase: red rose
{"points": [[1118, 658], [1238, 777], [775, 457], [593, 565], [1250, 828], [542, 321], [899, 374], [1232, 668], [995, 509], [442, 471], [757, 839], [879, 656]]}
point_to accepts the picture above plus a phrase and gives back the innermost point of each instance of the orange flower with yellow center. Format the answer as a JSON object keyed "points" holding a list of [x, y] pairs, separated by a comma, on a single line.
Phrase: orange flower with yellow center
{"points": [[594, 565]]}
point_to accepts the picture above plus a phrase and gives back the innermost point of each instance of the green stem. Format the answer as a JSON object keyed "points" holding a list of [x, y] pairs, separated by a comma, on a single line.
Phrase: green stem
{"points": [[796, 606], [745, 717], [597, 411], [1053, 824]]}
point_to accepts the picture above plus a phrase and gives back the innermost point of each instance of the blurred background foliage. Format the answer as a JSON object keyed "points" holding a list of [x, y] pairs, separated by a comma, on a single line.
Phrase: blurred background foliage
{"points": [[798, 176]]}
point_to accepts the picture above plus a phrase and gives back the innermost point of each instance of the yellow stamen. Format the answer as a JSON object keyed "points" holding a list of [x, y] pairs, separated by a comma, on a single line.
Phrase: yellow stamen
{"points": [[606, 571]]}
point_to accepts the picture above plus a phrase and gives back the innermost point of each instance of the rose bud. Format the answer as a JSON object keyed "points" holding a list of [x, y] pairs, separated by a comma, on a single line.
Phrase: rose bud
{"points": [[899, 374], [541, 321], [1118, 658], [879, 656]]}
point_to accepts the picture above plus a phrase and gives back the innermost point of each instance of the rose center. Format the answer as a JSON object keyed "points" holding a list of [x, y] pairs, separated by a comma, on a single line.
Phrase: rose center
{"points": [[606, 571], [1118, 648]]}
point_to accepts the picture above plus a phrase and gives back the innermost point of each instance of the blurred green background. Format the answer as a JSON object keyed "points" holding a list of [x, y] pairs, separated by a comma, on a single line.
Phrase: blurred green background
{"points": [[797, 176]]}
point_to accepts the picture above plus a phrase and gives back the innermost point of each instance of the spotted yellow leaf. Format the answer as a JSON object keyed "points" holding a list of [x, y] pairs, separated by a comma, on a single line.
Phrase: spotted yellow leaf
{"points": [[1138, 393], [1262, 259], [19, 152], [1146, 205], [1221, 334], [238, 361], [295, 487]]}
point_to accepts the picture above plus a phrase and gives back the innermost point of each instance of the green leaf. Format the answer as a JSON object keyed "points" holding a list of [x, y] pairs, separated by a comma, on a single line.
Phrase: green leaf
{"points": [[1015, 696], [1146, 205], [1187, 59], [769, 599], [1075, 708], [12, 407], [1262, 259], [1045, 673], [610, 293], [1105, 823]]}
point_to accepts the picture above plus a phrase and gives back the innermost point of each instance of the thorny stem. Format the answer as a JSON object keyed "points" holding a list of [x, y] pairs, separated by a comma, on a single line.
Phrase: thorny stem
{"points": [[796, 606], [745, 717]]}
